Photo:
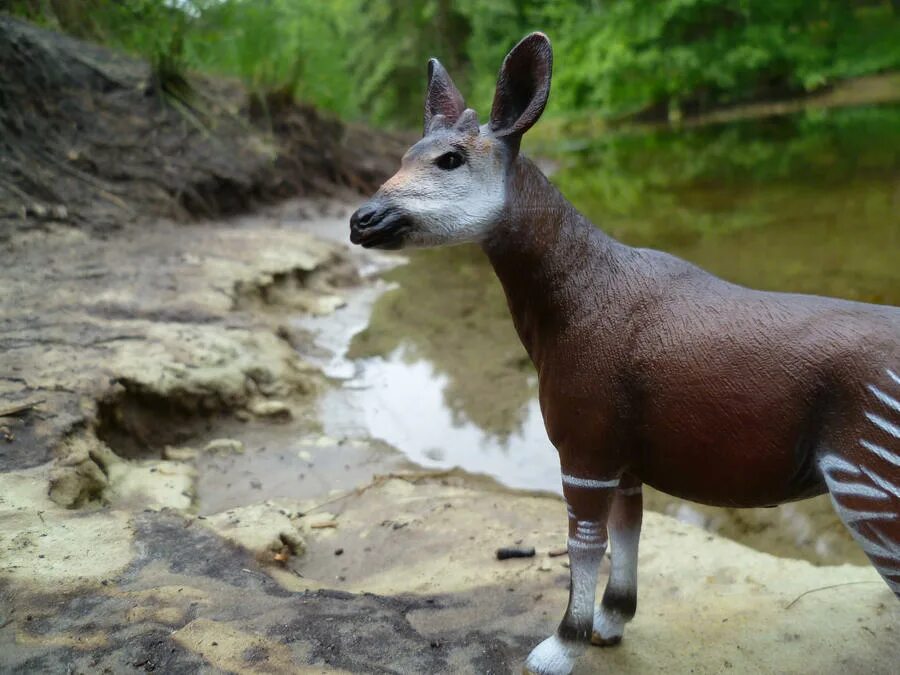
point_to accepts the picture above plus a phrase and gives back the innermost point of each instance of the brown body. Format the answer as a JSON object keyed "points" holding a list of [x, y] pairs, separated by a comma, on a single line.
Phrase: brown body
{"points": [[649, 365], [650, 369]]}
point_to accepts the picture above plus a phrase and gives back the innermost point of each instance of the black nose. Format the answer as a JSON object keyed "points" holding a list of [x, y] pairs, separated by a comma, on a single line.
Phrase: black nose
{"points": [[363, 216]]}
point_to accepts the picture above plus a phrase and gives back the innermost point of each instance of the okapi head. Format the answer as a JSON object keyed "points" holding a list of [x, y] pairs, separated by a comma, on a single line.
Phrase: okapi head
{"points": [[451, 186]]}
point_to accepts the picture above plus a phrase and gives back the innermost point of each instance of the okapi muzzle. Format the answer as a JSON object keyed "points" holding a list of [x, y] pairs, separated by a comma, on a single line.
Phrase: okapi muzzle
{"points": [[650, 369], [378, 225]]}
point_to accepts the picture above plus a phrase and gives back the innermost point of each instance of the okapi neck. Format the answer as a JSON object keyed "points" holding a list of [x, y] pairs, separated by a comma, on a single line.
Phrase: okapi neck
{"points": [[546, 254]]}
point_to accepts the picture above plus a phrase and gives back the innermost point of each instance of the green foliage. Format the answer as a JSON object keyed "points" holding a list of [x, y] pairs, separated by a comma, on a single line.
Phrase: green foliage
{"points": [[692, 55], [616, 57]]}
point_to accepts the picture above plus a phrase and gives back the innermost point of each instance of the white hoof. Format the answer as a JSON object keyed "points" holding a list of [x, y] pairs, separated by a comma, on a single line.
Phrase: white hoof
{"points": [[552, 657], [608, 628]]}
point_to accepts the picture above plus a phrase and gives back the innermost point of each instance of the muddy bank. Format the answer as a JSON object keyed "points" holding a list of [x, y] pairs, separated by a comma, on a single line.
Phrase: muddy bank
{"points": [[395, 578], [96, 138]]}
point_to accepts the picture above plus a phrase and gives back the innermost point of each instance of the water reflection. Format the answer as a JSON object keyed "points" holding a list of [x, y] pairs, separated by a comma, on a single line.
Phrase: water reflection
{"points": [[448, 310], [807, 204]]}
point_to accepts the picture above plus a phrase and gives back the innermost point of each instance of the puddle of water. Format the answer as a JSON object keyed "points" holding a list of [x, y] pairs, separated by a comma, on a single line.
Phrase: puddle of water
{"points": [[807, 204], [289, 461]]}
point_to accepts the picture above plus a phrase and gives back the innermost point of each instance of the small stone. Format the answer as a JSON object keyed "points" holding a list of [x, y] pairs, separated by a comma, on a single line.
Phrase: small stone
{"points": [[545, 566], [319, 441], [319, 521], [305, 455], [179, 454], [270, 409], [225, 445]]}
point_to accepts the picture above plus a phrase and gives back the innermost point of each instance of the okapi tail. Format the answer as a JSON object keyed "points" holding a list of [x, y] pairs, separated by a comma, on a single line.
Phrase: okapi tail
{"points": [[864, 480]]}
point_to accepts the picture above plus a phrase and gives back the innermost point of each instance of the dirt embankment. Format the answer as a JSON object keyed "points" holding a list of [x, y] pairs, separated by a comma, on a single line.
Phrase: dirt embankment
{"points": [[96, 138]]}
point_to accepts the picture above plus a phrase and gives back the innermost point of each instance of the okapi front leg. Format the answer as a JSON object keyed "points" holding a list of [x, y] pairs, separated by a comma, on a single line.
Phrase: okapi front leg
{"points": [[620, 598], [588, 501]]}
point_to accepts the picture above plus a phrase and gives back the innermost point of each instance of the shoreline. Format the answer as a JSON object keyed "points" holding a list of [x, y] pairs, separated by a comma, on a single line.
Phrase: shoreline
{"points": [[177, 337]]}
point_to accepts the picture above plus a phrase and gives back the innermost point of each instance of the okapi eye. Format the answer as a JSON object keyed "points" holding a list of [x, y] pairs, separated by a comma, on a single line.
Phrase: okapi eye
{"points": [[450, 160]]}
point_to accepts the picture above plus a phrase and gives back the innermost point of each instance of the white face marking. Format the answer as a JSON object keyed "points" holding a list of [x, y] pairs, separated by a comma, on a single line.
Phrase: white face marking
{"points": [[882, 423], [889, 401], [881, 452], [449, 206], [589, 483]]}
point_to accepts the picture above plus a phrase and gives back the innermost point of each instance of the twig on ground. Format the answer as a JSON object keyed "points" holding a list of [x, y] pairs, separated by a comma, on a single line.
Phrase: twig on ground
{"points": [[824, 588]]}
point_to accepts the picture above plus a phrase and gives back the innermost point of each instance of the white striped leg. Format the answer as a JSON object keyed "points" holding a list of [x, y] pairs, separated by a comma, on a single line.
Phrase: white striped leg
{"points": [[589, 501], [620, 597], [864, 483]]}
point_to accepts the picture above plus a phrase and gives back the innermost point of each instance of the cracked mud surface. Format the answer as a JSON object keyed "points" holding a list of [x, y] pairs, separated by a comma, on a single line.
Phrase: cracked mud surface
{"points": [[171, 504]]}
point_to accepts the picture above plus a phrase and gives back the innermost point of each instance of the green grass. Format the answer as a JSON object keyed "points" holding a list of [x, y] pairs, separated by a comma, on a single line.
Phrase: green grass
{"points": [[366, 58]]}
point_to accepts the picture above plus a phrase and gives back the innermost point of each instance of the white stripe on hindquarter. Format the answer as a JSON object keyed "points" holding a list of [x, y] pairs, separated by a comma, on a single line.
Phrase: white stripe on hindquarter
{"points": [[885, 485], [852, 515], [856, 490], [884, 425], [892, 375], [888, 400], [830, 463], [881, 452]]}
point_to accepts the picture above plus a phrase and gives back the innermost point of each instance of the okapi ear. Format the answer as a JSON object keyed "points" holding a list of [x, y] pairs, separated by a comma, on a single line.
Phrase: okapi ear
{"points": [[442, 97], [523, 86]]}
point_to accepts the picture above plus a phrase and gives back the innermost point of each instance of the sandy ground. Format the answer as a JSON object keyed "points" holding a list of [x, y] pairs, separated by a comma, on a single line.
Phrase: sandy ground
{"points": [[141, 362]]}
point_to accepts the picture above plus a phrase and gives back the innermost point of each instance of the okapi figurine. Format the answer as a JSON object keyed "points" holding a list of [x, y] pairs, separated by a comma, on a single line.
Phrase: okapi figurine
{"points": [[651, 370]]}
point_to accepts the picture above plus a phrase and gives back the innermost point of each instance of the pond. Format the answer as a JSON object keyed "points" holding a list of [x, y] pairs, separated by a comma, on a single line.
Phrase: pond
{"points": [[807, 203]]}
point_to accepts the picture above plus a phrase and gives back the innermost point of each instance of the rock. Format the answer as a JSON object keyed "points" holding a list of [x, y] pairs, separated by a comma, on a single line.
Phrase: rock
{"points": [[318, 521], [260, 528], [225, 445], [180, 454], [275, 409], [53, 549], [89, 471], [151, 484], [81, 471], [321, 441]]}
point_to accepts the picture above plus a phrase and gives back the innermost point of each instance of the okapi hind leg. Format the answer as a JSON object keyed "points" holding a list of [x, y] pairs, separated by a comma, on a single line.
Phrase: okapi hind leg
{"points": [[588, 502], [620, 597], [863, 478]]}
